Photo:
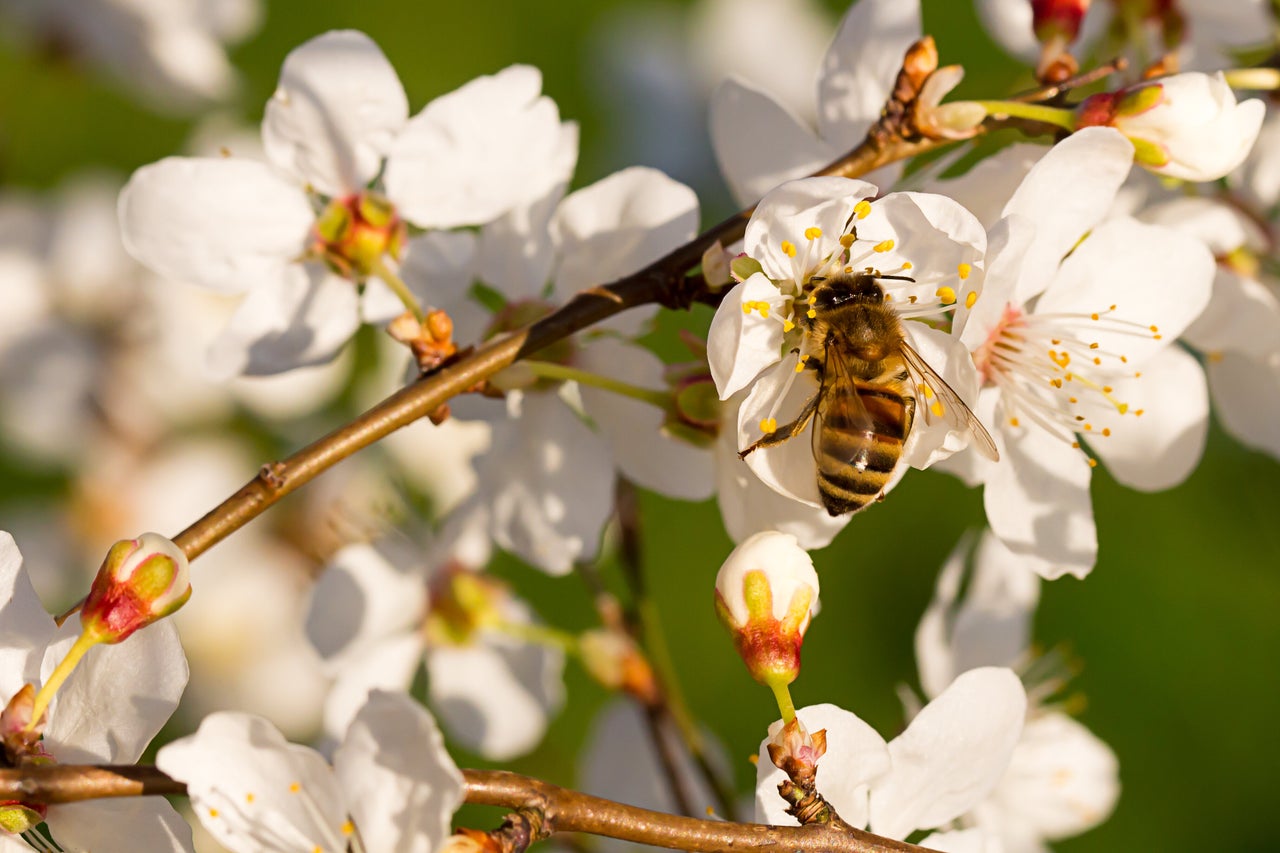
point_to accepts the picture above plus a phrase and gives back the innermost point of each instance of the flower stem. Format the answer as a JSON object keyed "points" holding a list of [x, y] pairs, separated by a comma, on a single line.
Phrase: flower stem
{"points": [[1035, 112], [67, 665], [552, 370], [1258, 79], [399, 288], [541, 635], [782, 693]]}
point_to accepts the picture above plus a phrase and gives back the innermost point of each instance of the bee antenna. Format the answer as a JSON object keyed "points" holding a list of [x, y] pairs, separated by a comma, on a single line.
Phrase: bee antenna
{"points": [[897, 277], [818, 278]]}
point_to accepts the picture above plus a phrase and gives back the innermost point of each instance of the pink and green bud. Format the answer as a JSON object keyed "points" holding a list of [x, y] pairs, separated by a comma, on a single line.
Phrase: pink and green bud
{"points": [[352, 234], [23, 747], [766, 595], [795, 751], [141, 580], [1057, 19]]}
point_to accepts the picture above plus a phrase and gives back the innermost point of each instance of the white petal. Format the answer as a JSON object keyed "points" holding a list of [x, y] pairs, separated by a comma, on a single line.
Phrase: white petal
{"points": [[1064, 195], [254, 791], [789, 467], [741, 344], [1009, 22], [120, 826], [551, 481], [1158, 280], [931, 232], [516, 250], [952, 755], [1010, 240], [759, 144], [1246, 396], [856, 756], [301, 319], [118, 698], [616, 227], [361, 597], [933, 438], [448, 167], [401, 784], [25, 628], [1243, 315], [439, 267], [1037, 502], [860, 67], [786, 214], [643, 450], [961, 841], [227, 224], [1160, 448], [335, 112], [387, 664], [1215, 223], [1061, 781], [985, 189], [495, 696]]}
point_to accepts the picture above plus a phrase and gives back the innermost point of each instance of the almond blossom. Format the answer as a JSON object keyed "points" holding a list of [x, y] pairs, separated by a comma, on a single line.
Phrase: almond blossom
{"points": [[1061, 780], [949, 758], [810, 229], [495, 691], [315, 250], [106, 712], [392, 785], [1078, 348], [760, 142]]}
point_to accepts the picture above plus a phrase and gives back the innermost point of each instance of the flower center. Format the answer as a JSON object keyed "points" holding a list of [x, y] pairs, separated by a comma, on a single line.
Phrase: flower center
{"points": [[1052, 373], [462, 603], [353, 233]]}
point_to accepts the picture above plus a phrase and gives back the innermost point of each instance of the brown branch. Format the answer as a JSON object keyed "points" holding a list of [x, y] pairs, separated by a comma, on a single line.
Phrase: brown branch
{"points": [[564, 810], [570, 811]]}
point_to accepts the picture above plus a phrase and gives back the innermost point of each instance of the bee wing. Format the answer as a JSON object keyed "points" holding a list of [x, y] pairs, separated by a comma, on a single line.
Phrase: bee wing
{"points": [[845, 408], [941, 401]]}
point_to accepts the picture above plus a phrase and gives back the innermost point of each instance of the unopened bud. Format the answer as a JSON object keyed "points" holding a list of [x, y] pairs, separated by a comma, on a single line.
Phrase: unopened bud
{"points": [[795, 751], [1057, 19], [140, 581], [766, 594], [715, 266], [612, 658], [470, 841], [936, 120]]}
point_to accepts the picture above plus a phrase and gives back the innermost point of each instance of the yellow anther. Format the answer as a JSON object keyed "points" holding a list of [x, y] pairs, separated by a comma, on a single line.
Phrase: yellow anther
{"points": [[1088, 427], [248, 798], [788, 248], [1073, 400], [746, 307], [1154, 328], [213, 812], [1214, 356], [753, 758], [294, 788], [911, 299], [970, 299], [906, 265], [1138, 412], [811, 313], [1093, 463], [813, 232], [1055, 342], [1097, 360], [1112, 308], [1106, 431], [1056, 383], [862, 209], [711, 811], [847, 240], [1107, 389], [1013, 422], [848, 269], [1093, 316], [1124, 359], [768, 425], [1137, 375], [964, 270], [1123, 407], [787, 325], [883, 246], [1061, 359], [946, 294], [1158, 337], [937, 409], [763, 308], [1093, 346], [1076, 445], [800, 365], [348, 828]]}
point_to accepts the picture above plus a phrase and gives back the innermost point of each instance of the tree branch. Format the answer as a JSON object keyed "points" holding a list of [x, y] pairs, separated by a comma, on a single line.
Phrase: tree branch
{"points": [[564, 810]]}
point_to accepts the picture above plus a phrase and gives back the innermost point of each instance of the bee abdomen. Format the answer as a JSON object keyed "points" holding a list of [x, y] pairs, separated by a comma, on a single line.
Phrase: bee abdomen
{"points": [[857, 452]]}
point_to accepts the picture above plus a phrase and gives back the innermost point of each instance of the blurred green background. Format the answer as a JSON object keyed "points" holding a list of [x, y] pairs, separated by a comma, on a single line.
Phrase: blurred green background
{"points": [[1178, 627]]}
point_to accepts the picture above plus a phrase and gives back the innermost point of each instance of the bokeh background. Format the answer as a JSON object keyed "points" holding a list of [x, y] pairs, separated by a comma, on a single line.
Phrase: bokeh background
{"points": [[1177, 630]]}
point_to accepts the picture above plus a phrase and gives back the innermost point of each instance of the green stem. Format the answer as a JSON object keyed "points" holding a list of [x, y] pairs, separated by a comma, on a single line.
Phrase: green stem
{"points": [[1035, 112], [782, 693], [399, 288], [64, 669], [553, 370], [1257, 79], [541, 635]]}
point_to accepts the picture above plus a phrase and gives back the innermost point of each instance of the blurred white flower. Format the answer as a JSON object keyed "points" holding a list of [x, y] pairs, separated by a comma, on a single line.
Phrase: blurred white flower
{"points": [[1062, 780], [173, 54], [950, 757], [761, 142], [392, 785], [1187, 126], [314, 249], [1072, 338], [106, 712], [375, 621]]}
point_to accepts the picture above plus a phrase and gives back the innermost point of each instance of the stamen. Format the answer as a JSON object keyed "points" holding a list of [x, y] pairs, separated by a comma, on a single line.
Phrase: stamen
{"points": [[813, 232], [788, 248], [862, 209], [946, 294], [964, 270], [971, 299], [847, 240], [883, 246]]}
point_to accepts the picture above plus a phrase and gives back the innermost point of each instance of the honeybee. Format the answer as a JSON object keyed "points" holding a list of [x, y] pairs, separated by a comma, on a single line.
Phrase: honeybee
{"points": [[866, 400]]}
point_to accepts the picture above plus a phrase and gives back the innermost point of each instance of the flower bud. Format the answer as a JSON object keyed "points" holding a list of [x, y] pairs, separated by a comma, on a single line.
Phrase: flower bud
{"points": [[1187, 126], [766, 593], [140, 581], [1057, 19], [612, 658], [795, 751]]}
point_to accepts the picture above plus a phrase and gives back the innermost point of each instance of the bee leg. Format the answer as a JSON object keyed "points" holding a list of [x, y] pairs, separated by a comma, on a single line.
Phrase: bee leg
{"points": [[786, 431]]}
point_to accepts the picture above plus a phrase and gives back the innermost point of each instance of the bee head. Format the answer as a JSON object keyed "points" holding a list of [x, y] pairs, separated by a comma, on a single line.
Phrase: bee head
{"points": [[863, 287]]}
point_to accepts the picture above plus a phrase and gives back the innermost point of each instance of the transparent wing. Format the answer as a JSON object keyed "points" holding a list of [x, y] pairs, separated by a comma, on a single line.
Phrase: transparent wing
{"points": [[940, 401], [845, 410]]}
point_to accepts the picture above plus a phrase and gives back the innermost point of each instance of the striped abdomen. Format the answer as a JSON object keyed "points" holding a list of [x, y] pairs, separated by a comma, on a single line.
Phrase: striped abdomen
{"points": [[858, 446]]}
